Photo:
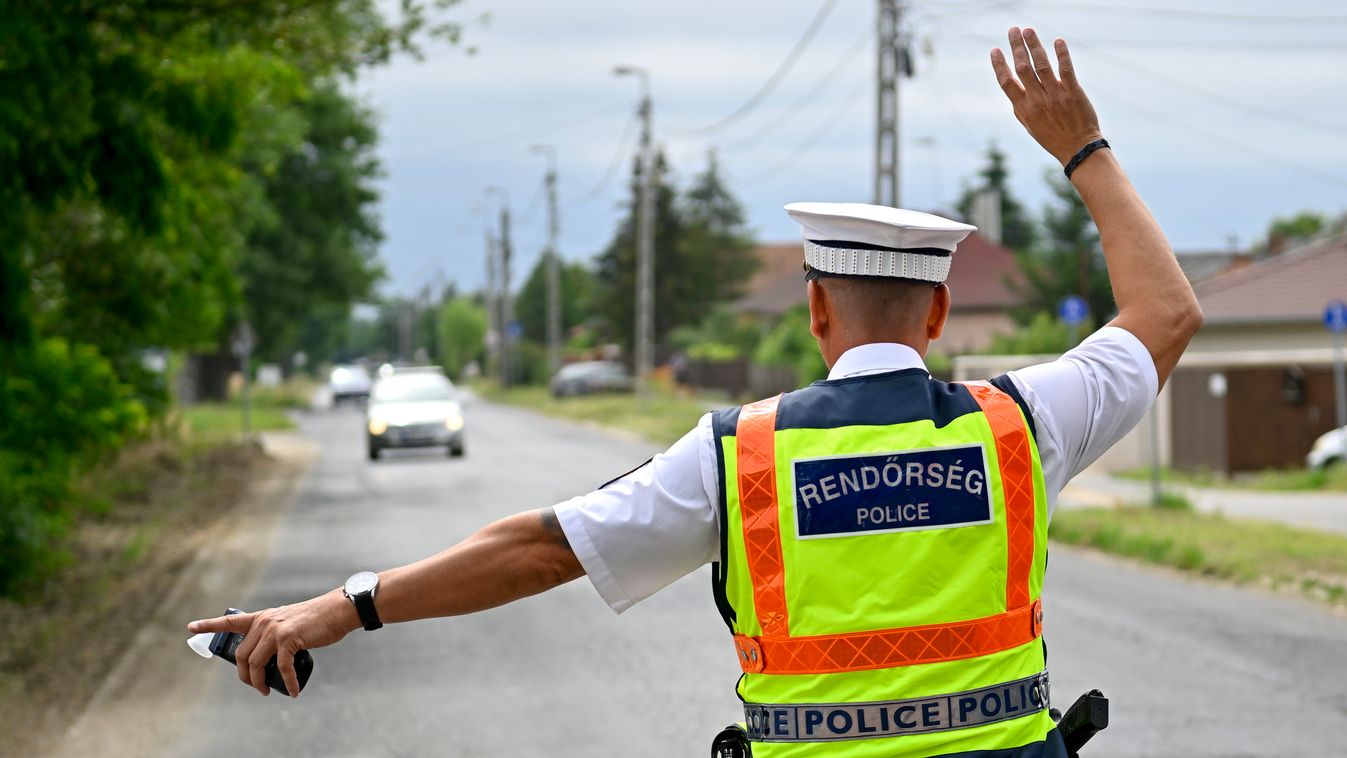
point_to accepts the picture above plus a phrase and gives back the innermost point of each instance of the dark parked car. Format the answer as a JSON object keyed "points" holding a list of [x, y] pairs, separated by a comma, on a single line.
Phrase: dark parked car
{"points": [[590, 377], [414, 408]]}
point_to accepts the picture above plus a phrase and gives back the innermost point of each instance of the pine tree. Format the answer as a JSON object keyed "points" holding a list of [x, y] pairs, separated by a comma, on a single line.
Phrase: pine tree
{"points": [[1017, 228]]}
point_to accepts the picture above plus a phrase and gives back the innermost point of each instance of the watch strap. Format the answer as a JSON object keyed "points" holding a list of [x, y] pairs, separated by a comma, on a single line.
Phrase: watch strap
{"points": [[364, 607]]}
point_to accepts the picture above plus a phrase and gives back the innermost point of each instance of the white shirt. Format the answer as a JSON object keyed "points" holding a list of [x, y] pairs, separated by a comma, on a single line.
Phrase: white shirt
{"points": [[659, 523]]}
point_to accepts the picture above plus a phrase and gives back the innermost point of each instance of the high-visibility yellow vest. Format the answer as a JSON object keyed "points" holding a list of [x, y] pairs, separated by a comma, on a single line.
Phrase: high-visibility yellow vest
{"points": [[883, 544]]}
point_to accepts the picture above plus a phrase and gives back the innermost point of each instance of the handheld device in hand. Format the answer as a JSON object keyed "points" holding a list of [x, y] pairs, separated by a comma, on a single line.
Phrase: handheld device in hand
{"points": [[225, 644]]}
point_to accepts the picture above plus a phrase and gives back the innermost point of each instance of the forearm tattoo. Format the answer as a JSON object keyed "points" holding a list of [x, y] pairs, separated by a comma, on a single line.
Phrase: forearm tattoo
{"points": [[552, 526]]}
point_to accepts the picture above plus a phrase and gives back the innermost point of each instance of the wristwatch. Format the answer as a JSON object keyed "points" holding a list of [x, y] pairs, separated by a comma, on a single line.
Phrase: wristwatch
{"points": [[360, 590]]}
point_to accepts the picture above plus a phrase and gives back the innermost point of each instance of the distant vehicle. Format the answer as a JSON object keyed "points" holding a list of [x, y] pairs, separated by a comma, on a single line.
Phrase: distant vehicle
{"points": [[415, 407], [349, 381], [1329, 449], [591, 377]]}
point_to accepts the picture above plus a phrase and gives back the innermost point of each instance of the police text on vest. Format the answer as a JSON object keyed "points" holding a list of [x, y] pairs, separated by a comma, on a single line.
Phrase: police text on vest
{"points": [[925, 488]]}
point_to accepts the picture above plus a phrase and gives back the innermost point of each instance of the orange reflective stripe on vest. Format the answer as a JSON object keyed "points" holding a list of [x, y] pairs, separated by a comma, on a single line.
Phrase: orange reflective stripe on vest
{"points": [[776, 652], [1017, 483], [756, 462]]}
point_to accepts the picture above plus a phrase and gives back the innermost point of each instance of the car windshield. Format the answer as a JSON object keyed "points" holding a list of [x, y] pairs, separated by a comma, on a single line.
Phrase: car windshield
{"points": [[349, 374], [413, 389], [575, 369]]}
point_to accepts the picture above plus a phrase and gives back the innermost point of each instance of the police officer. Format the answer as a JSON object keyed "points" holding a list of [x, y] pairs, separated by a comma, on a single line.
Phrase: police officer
{"points": [[879, 537]]}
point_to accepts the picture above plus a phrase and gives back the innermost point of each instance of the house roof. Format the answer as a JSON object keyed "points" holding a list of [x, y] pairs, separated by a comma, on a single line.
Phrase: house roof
{"points": [[977, 279], [1294, 286], [1201, 265]]}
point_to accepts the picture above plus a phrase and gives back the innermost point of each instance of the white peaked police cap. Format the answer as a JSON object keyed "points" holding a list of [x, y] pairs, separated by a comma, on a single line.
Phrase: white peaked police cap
{"points": [[856, 239]]}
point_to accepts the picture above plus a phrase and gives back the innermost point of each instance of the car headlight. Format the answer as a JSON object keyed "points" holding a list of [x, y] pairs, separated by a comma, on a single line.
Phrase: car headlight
{"points": [[453, 423], [377, 426]]}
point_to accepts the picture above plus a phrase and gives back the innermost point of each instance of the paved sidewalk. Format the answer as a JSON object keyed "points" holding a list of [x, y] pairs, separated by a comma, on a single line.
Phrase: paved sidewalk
{"points": [[1326, 511]]}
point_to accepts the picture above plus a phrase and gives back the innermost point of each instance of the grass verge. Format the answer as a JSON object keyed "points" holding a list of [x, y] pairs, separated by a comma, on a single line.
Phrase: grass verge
{"points": [[1238, 550], [663, 418], [141, 525], [207, 424], [1332, 479]]}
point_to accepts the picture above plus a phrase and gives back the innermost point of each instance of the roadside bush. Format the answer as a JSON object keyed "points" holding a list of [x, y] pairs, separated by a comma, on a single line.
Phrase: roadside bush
{"points": [[1043, 335], [64, 408], [789, 343]]}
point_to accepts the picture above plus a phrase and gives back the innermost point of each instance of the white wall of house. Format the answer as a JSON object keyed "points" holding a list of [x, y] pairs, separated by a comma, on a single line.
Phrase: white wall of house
{"points": [[1229, 338], [969, 331]]}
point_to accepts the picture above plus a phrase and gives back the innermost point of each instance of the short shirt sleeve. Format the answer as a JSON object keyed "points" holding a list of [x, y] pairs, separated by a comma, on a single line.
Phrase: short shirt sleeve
{"points": [[645, 530], [1086, 401]]}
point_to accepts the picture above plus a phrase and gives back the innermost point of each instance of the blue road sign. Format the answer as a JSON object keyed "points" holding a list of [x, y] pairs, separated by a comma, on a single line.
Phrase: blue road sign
{"points": [[515, 330], [1335, 316], [1073, 309]]}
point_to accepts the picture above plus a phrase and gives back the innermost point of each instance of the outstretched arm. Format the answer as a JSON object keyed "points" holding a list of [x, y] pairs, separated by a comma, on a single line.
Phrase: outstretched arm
{"points": [[515, 557], [1155, 301]]}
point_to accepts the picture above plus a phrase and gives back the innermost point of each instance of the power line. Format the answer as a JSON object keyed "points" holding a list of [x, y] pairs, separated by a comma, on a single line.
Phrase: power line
{"points": [[1212, 136], [533, 205], [773, 80], [847, 103], [1283, 47], [1300, 118], [623, 146], [848, 57], [1134, 10], [1235, 45]]}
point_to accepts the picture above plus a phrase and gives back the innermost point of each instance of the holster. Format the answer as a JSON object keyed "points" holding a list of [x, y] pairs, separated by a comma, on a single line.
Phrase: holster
{"points": [[732, 742]]}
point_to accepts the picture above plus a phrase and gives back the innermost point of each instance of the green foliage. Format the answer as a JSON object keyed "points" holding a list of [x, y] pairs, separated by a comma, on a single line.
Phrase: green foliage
{"points": [[318, 243], [577, 298], [1067, 261], [701, 255], [1043, 335], [721, 336], [158, 162], [939, 364], [789, 343], [1017, 228], [64, 408], [462, 335], [1240, 550], [1302, 225], [1173, 501]]}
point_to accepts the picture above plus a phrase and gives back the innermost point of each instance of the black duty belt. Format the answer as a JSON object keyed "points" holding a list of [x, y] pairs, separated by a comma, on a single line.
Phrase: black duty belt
{"points": [[827, 722]]}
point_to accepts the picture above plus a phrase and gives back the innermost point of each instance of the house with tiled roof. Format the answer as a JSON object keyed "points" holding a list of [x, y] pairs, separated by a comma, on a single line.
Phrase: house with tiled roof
{"points": [[1274, 304], [1255, 388]]}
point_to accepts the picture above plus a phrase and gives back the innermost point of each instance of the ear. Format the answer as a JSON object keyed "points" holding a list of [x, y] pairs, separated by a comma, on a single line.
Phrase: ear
{"points": [[939, 313], [818, 309]]}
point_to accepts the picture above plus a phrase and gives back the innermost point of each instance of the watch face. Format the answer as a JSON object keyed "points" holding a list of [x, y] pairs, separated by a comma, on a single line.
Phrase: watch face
{"points": [[363, 582]]}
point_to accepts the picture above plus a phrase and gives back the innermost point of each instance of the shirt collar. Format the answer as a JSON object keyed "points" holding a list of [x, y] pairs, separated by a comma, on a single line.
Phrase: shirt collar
{"points": [[875, 358]]}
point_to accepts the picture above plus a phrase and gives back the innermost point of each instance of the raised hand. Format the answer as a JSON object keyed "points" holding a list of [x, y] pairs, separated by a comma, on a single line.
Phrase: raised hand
{"points": [[1055, 111]]}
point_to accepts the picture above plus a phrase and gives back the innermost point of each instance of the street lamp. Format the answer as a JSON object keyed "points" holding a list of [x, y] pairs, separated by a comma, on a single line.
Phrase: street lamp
{"points": [[645, 240]]}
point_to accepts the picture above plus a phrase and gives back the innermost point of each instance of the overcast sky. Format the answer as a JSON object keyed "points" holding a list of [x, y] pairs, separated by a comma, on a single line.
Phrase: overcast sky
{"points": [[1224, 114]]}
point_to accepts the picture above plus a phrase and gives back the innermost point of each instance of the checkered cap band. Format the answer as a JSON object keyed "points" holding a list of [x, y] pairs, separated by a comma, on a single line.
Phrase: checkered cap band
{"points": [[891, 263]]}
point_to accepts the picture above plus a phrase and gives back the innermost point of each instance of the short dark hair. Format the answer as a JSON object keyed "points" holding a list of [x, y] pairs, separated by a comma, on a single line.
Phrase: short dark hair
{"points": [[886, 304]]}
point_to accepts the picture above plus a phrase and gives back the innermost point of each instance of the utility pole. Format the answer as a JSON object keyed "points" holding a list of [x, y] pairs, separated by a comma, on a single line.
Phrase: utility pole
{"points": [[645, 240], [492, 322], [889, 69], [553, 261], [506, 312]]}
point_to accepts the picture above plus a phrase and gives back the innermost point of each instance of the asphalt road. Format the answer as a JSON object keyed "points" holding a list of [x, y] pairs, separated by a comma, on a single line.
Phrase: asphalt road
{"points": [[1192, 669]]}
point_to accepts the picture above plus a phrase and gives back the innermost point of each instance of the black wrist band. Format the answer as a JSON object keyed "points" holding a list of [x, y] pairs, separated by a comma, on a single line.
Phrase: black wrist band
{"points": [[1082, 155]]}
